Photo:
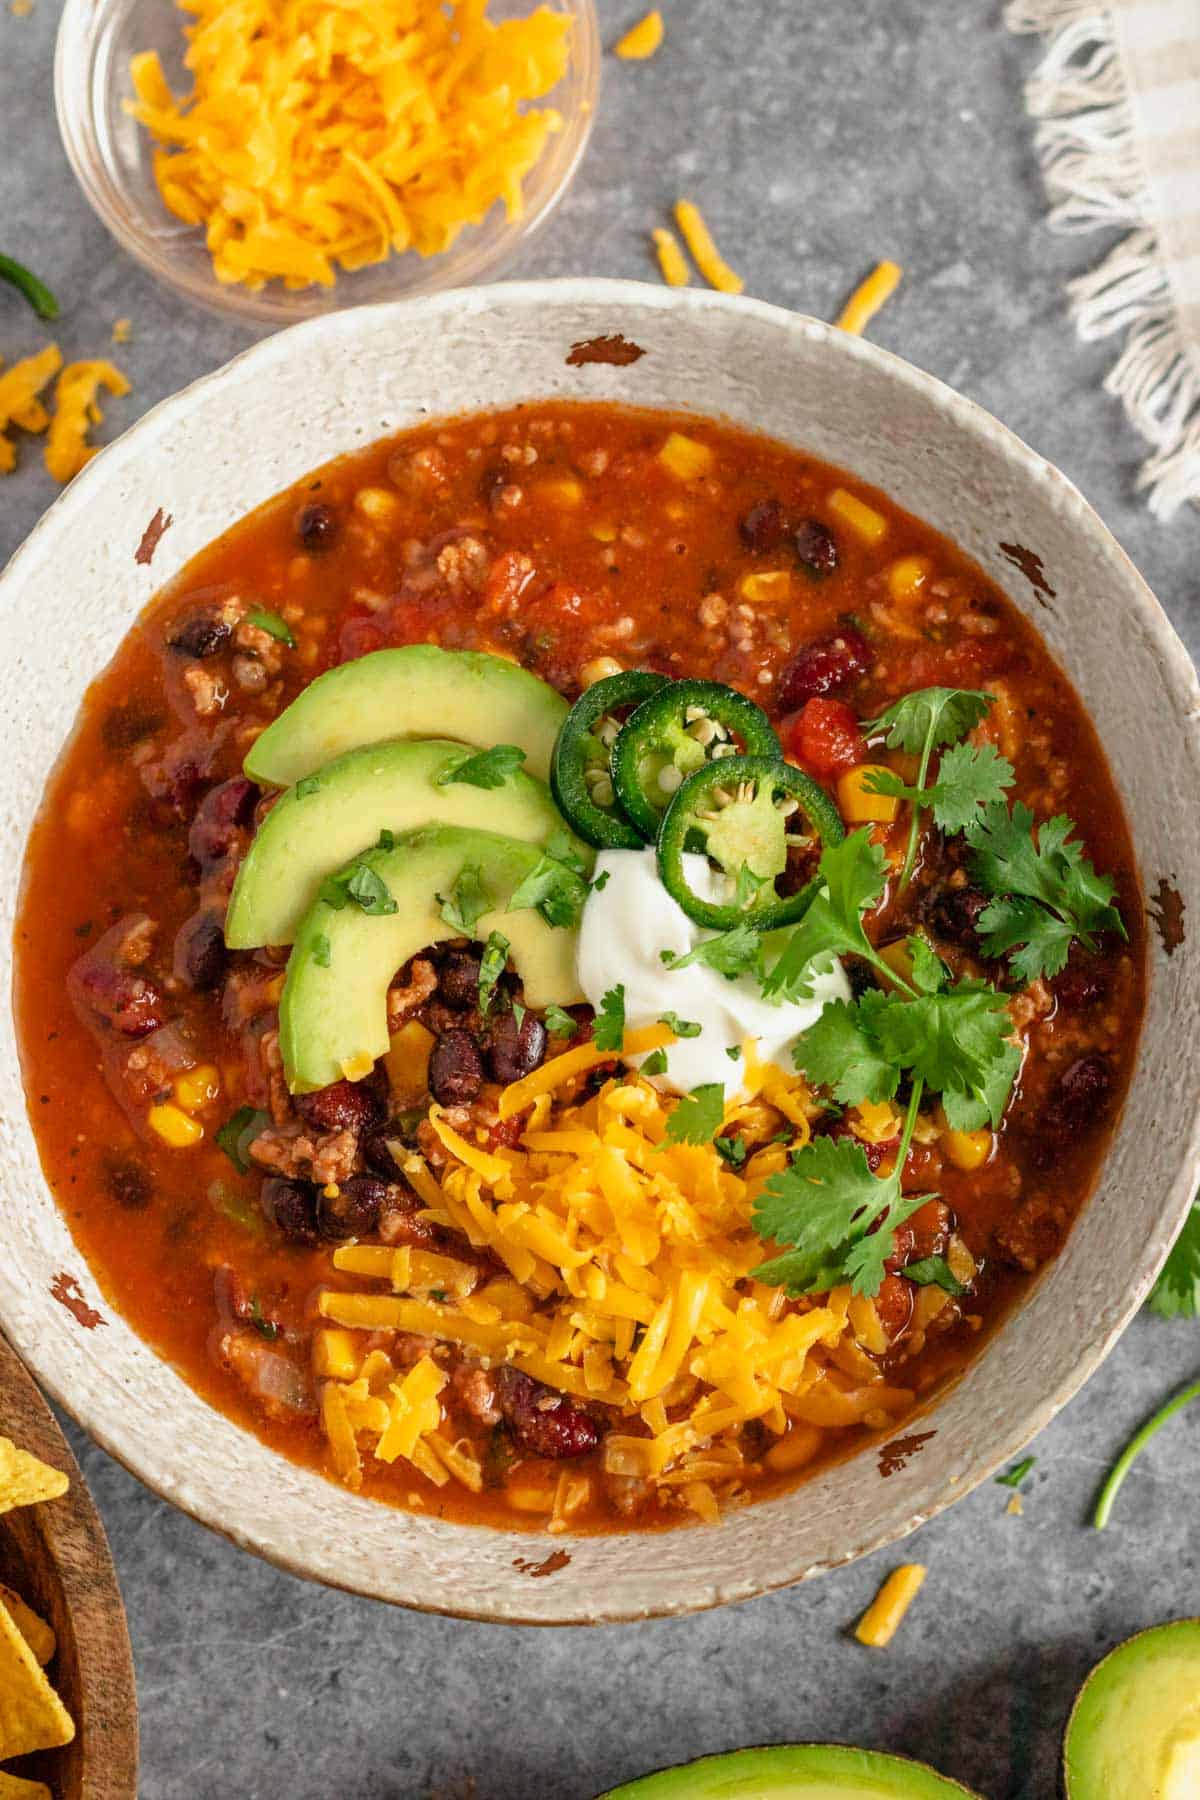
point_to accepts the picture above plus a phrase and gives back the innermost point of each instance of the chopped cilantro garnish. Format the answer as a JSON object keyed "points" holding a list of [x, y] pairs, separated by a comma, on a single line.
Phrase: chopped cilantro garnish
{"points": [[272, 624], [1176, 1293], [655, 1063], [733, 1052], [438, 1294], [491, 967], [466, 902], [1047, 892], [486, 769], [386, 840], [608, 1032], [360, 883], [922, 722], [237, 1134], [730, 953], [1012, 1478], [683, 1028], [555, 886], [265, 1327], [732, 1149], [601, 881], [933, 1271], [560, 1023], [696, 1118], [518, 1013]]}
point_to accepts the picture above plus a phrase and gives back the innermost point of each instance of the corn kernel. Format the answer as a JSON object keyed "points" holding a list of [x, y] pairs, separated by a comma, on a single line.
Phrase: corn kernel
{"points": [[604, 534], [407, 1062], [198, 1087], [772, 585], [907, 576], [356, 1068], [599, 669], [174, 1126], [793, 1451], [859, 806], [967, 1150], [685, 457], [862, 519], [562, 491], [375, 504], [335, 1353]]}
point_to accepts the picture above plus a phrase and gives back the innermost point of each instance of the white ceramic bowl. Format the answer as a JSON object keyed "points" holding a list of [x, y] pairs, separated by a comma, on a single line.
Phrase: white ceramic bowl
{"points": [[328, 386]]}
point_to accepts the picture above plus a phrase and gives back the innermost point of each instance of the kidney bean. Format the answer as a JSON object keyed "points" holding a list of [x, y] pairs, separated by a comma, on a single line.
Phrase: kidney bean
{"points": [[291, 1206], [1079, 1099], [458, 980], [512, 1050], [952, 913], [1083, 982], [113, 990], [827, 663], [894, 1304], [816, 548], [317, 527], [129, 1184], [224, 810], [201, 633], [200, 957], [455, 1069], [762, 528], [343, 1106], [542, 1422], [353, 1211]]}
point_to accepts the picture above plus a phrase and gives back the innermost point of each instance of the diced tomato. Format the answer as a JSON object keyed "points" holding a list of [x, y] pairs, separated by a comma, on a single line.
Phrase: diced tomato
{"points": [[826, 738], [507, 579], [894, 1303]]}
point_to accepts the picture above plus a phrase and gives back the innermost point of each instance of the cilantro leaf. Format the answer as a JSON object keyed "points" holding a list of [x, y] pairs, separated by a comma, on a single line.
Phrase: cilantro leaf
{"points": [[1012, 1478], [930, 717], [608, 1032], [732, 1150], [492, 965], [272, 624], [969, 776], [933, 1271], [360, 883], [730, 953], [853, 874], [237, 1134], [486, 769], [466, 902], [734, 1052], [1046, 889], [956, 1042], [559, 1023], [840, 1051], [1176, 1293], [654, 1064], [683, 1028], [696, 1118], [929, 972], [601, 882], [266, 1328], [554, 887]]}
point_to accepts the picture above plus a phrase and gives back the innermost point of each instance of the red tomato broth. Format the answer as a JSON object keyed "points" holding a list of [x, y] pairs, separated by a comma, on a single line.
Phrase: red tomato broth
{"points": [[637, 566]]}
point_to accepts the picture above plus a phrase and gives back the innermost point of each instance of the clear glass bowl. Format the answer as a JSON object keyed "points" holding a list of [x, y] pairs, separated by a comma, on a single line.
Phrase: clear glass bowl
{"points": [[111, 156]]}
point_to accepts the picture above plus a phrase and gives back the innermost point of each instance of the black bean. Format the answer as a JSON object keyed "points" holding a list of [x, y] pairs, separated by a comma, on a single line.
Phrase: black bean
{"points": [[515, 1050], [952, 913], [816, 547], [291, 1206], [200, 954], [127, 725], [353, 1211], [317, 527], [200, 634], [455, 1069], [129, 1184], [761, 529], [458, 980]]}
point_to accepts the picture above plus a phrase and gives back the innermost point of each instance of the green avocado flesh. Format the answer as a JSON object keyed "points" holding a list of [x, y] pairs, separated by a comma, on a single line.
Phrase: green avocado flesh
{"points": [[796, 1772], [418, 691], [1135, 1730], [312, 831], [333, 1011]]}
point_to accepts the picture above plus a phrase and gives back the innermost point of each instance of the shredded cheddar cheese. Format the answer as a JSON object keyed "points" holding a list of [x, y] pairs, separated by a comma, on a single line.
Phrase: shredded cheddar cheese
{"points": [[880, 1622], [705, 254], [671, 259], [642, 39], [867, 298], [629, 1260], [19, 403], [76, 408], [327, 134]]}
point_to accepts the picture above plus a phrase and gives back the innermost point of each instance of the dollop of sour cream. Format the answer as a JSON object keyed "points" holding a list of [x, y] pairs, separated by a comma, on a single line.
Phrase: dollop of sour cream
{"points": [[629, 920]]}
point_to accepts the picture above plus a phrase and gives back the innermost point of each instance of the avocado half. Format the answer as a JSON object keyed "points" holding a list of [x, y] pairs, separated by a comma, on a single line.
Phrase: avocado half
{"points": [[796, 1772], [1134, 1732]]}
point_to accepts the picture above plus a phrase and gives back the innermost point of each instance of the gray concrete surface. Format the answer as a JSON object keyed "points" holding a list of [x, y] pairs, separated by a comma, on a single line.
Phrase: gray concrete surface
{"points": [[816, 137]]}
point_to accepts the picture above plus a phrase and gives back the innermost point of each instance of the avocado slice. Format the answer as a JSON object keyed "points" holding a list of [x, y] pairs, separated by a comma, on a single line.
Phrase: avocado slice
{"points": [[417, 691], [796, 1772], [333, 1010], [1135, 1728], [317, 826]]}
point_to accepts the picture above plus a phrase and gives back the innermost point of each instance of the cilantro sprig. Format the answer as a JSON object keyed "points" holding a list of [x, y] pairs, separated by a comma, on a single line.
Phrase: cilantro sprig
{"points": [[1046, 891], [731, 953], [697, 1117], [925, 721], [608, 1033], [1176, 1293], [853, 875], [837, 1219], [555, 887]]}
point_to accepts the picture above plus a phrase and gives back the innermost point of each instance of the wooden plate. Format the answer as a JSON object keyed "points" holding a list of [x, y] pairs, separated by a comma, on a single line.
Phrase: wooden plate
{"points": [[56, 1556]]}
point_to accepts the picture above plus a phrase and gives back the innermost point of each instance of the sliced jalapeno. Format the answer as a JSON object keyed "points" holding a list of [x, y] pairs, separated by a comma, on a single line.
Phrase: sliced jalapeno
{"points": [[678, 731], [746, 813], [580, 773]]}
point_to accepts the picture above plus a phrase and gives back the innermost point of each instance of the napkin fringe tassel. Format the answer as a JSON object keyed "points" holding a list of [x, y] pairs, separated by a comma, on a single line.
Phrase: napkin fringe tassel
{"points": [[1087, 147]]}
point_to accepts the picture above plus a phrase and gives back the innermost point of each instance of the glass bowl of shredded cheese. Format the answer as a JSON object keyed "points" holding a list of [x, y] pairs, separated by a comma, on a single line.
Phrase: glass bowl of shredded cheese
{"points": [[277, 161]]}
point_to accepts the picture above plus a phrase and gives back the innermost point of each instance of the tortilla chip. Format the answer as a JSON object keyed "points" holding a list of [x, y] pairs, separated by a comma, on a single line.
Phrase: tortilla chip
{"points": [[37, 1634], [24, 1480], [13, 1788], [32, 1717]]}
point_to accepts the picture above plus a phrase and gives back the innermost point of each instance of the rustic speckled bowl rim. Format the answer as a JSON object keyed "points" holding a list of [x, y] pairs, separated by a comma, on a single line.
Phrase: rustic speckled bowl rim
{"points": [[608, 1571]]}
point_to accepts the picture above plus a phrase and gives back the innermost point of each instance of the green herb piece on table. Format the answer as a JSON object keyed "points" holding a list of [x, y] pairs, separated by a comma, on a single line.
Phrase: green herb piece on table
{"points": [[1012, 1478], [1176, 1293]]}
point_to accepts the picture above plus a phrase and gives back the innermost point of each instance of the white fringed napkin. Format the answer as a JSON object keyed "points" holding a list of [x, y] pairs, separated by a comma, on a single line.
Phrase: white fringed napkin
{"points": [[1118, 96]]}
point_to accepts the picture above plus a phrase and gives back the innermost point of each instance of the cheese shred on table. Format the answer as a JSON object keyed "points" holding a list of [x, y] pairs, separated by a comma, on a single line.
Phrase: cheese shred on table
{"points": [[326, 134], [868, 297], [642, 39], [671, 259], [705, 254], [882, 1619], [627, 1283], [75, 408]]}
